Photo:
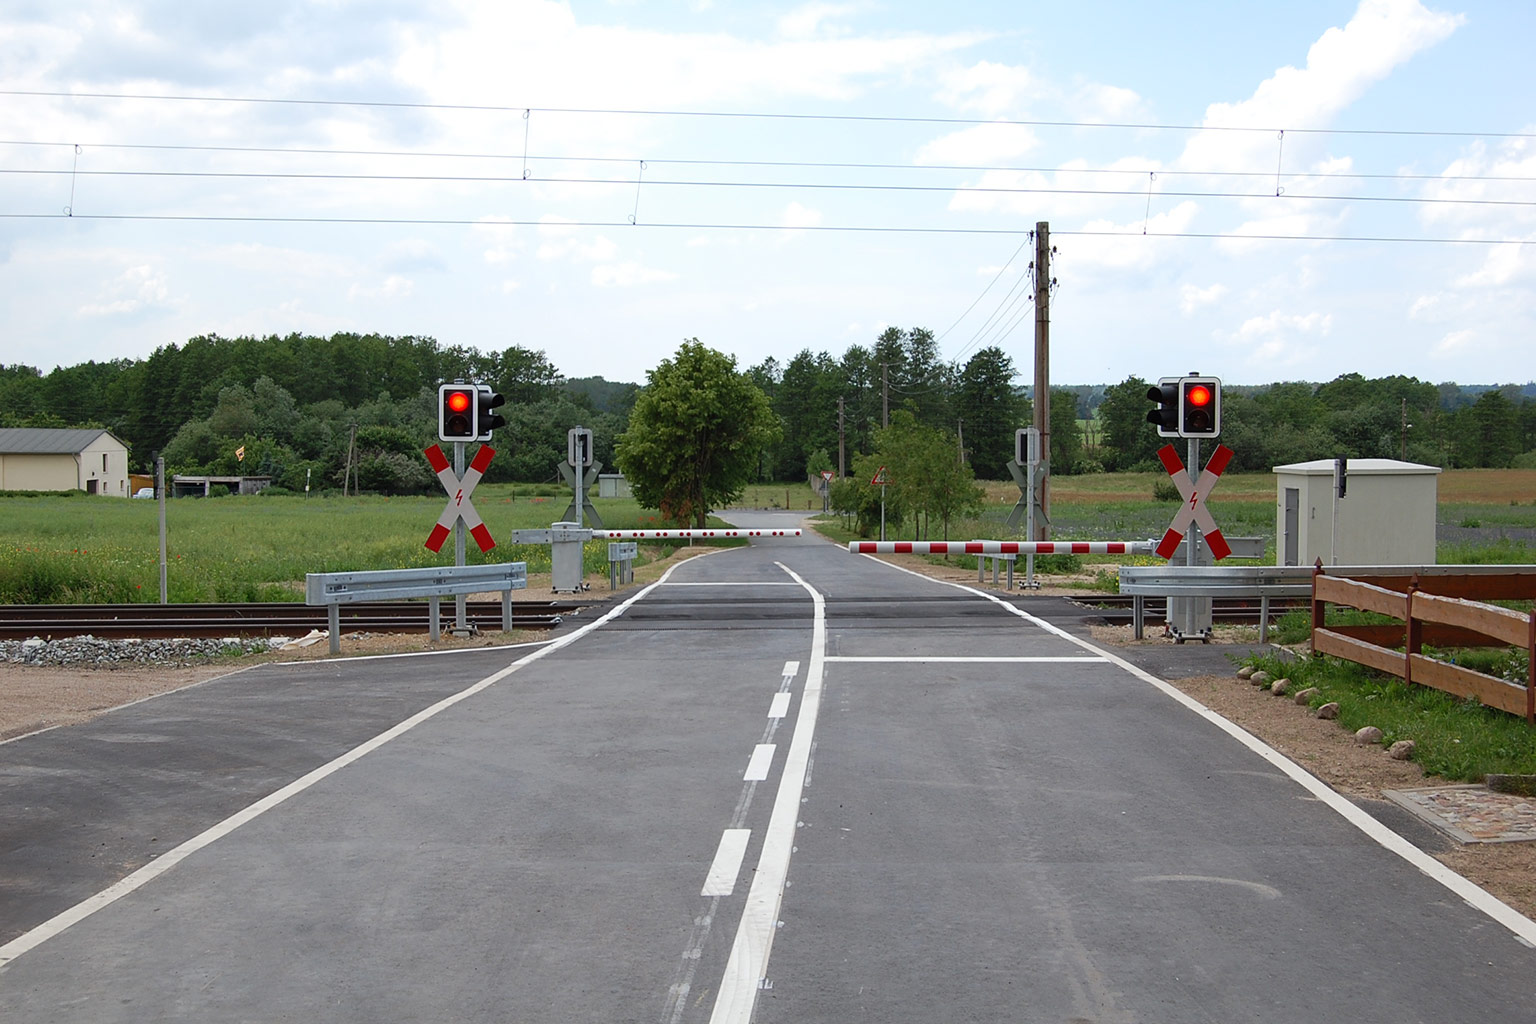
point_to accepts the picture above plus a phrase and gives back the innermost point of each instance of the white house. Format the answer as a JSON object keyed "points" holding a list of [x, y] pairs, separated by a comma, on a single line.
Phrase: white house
{"points": [[38, 459]]}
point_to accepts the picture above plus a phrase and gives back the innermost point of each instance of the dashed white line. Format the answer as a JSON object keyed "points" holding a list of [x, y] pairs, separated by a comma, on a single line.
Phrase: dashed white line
{"points": [[780, 706], [762, 760], [724, 869]]}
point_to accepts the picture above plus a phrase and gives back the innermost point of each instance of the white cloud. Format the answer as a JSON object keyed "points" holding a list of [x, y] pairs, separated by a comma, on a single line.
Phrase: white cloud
{"points": [[1454, 342], [979, 144], [813, 19], [1282, 339], [988, 89], [395, 286], [137, 290], [1501, 266], [1098, 247], [1341, 65], [627, 275], [1192, 297], [599, 250], [798, 216]]}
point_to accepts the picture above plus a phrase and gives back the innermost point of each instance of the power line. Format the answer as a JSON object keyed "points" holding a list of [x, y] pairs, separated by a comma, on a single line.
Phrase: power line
{"points": [[720, 226], [716, 162], [742, 114], [811, 185]]}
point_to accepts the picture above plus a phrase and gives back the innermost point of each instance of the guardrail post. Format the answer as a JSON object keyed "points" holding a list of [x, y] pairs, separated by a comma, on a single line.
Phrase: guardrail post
{"points": [[1138, 615], [1263, 618], [434, 631], [333, 624]]}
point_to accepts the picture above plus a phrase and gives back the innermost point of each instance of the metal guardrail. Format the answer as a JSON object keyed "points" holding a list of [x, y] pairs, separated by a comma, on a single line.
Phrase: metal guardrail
{"points": [[1251, 581], [333, 589], [621, 562]]}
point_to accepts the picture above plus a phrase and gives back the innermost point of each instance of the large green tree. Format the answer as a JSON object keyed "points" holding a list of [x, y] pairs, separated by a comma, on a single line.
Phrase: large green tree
{"points": [[695, 434], [990, 410]]}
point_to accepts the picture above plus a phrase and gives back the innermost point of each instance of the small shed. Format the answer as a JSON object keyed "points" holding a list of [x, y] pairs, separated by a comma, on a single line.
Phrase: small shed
{"points": [[1385, 515], [41, 459], [613, 485]]}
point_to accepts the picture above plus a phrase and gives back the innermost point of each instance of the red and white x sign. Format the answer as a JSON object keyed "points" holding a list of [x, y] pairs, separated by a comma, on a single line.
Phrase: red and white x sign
{"points": [[459, 505], [1195, 494]]}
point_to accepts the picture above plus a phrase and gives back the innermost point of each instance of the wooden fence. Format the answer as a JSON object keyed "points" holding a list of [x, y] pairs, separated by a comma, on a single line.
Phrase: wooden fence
{"points": [[1442, 608]]}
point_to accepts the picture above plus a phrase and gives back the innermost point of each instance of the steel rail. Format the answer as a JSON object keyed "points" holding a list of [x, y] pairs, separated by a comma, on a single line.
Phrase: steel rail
{"points": [[257, 619]]}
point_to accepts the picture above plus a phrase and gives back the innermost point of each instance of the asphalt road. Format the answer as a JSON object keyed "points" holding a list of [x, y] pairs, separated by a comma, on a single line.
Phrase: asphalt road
{"points": [[786, 784]]}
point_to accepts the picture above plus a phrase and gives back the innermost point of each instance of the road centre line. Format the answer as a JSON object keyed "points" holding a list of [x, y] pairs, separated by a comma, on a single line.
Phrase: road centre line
{"points": [[1523, 928], [66, 919], [761, 761], [747, 965], [721, 880], [1021, 660], [780, 706]]}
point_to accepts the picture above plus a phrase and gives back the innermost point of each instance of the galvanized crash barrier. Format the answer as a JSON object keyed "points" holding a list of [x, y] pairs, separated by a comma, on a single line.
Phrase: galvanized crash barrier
{"points": [[621, 563], [334, 589], [1250, 581], [997, 561]]}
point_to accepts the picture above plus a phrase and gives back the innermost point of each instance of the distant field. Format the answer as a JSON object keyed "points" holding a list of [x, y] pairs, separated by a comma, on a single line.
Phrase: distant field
{"points": [[97, 550]]}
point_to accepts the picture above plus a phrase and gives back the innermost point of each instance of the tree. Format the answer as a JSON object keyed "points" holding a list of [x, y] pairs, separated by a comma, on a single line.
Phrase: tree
{"points": [[695, 434], [989, 408], [1130, 442]]}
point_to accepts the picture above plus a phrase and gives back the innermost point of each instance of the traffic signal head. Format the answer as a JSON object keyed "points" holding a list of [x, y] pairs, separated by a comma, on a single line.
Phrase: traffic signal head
{"points": [[1199, 406], [486, 420], [1166, 416], [458, 412]]}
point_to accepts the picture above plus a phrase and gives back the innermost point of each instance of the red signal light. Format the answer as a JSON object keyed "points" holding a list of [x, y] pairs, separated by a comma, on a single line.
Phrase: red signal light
{"points": [[458, 401], [1199, 395]]}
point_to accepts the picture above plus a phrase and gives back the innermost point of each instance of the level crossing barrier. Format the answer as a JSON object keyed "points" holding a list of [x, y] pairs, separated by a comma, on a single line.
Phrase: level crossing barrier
{"points": [[1002, 547], [334, 589]]}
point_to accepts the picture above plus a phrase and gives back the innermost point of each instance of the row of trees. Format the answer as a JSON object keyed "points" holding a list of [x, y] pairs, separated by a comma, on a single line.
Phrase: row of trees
{"points": [[361, 407]]}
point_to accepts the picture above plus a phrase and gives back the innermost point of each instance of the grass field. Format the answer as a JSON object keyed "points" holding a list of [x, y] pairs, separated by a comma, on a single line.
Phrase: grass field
{"points": [[74, 549], [63, 550]]}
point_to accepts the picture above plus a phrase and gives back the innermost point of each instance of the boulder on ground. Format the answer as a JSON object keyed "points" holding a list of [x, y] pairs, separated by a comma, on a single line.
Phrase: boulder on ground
{"points": [[1280, 687], [1305, 696], [1329, 710], [1368, 735], [1402, 750], [1246, 671]]}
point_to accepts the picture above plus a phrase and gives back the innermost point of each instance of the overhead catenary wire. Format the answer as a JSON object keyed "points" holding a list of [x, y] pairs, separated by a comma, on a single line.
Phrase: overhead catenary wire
{"points": [[523, 109]]}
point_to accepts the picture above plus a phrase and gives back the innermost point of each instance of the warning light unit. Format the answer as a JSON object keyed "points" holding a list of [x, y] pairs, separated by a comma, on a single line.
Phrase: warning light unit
{"points": [[1186, 406]]}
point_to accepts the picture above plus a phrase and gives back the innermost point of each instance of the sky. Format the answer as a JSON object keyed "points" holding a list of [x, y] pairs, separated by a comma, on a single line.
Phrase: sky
{"points": [[1260, 192]]}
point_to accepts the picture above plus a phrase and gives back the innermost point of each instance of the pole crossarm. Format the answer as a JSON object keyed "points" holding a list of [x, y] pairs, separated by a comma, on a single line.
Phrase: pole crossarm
{"points": [[1001, 547]]}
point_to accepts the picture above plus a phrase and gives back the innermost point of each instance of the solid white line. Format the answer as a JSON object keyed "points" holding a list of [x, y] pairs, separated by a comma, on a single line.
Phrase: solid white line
{"points": [[1042, 660], [154, 869], [1523, 927], [762, 760], [731, 583], [723, 870], [780, 706], [747, 965]]}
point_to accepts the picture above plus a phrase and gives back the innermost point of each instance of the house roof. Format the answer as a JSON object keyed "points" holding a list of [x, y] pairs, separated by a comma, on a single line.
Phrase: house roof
{"points": [[43, 441]]}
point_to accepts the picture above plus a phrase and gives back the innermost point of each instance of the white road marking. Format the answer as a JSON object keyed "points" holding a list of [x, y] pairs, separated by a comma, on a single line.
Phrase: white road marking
{"points": [[916, 658], [724, 869], [762, 760], [1523, 928], [61, 922], [780, 706], [747, 965], [731, 583], [791, 669]]}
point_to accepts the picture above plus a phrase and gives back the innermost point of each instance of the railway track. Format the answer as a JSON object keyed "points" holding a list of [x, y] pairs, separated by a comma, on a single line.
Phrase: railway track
{"points": [[21, 621]]}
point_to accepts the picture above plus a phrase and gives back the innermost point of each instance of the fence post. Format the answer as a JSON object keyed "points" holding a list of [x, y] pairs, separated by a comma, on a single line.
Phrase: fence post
{"points": [[1318, 611], [1413, 632], [1530, 671]]}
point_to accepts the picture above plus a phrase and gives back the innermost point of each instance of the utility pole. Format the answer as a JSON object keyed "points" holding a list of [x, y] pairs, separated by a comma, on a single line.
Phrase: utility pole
{"points": [[885, 395], [346, 473], [1042, 408], [842, 448], [960, 438]]}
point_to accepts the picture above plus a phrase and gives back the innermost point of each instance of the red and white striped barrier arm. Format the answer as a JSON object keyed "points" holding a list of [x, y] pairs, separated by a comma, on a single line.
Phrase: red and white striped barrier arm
{"points": [[687, 534], [1001, 547]]}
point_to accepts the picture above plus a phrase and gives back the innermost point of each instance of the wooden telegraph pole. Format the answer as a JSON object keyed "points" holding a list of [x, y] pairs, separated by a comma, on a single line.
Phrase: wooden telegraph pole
{"points": [[1042, 409]]}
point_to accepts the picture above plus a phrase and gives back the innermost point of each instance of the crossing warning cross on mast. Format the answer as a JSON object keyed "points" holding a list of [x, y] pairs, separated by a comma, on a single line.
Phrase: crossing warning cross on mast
{"points": [[1195, 494], [459, 506]]}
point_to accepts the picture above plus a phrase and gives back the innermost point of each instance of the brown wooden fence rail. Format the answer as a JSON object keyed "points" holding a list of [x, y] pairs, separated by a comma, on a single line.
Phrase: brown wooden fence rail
{"points": [[1440, 607]]}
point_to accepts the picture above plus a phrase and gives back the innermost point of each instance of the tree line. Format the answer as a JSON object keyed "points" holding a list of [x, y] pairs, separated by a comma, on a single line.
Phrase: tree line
{"points": [[362, 407]]}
